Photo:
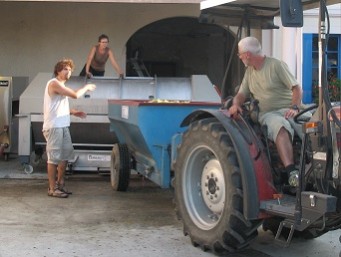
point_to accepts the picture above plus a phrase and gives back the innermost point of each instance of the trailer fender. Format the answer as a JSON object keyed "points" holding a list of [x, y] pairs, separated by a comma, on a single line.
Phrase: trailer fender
{"points": [[251, 203]]}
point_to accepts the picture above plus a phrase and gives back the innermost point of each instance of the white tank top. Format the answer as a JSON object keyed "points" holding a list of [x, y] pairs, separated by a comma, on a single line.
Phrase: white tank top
{"points": [[56, 110]]}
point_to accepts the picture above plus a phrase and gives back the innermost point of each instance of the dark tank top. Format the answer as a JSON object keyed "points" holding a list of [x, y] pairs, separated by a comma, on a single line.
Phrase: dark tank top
{"points": [[99, 60]]}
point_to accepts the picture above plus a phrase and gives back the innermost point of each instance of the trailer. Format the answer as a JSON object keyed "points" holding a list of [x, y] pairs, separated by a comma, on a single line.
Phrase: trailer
{"points": [[147, 131]]}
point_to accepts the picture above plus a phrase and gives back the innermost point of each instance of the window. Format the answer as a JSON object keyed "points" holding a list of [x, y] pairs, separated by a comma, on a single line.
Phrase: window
{"points": [[311, 64]]}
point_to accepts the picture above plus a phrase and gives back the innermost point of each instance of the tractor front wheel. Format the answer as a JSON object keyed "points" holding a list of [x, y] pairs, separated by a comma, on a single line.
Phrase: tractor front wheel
{"points": [[208, 189]]}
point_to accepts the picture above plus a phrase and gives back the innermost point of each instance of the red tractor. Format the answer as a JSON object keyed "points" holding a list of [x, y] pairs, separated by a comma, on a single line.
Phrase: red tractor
{"points": [[227, 171]]}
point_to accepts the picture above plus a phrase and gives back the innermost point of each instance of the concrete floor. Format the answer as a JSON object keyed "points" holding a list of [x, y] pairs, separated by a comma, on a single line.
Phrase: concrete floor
{"points": [[97, 221]]}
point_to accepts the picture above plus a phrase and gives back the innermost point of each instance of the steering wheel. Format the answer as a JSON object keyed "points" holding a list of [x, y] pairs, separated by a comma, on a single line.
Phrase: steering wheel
{"points": [[298, 115]]}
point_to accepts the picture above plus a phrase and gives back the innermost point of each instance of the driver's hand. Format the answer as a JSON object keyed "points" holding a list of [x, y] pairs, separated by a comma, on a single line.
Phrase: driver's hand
{"points": [[290, 113], [235, 110]]}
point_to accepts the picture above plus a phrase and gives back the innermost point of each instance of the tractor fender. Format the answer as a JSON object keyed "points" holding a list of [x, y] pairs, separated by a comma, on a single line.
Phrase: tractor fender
{"points": [[249, 181]]}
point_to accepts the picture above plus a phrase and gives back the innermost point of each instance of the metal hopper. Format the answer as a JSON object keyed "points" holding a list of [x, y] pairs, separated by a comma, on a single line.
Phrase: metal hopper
{"points": [[92, 138]]}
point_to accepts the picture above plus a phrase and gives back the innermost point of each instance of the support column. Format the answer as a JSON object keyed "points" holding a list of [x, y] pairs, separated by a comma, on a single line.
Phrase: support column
{"points": [[289, 48]]}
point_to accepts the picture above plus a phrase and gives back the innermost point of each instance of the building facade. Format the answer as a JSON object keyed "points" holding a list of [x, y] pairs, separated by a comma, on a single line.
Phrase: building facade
{"points": [[166, 35]]}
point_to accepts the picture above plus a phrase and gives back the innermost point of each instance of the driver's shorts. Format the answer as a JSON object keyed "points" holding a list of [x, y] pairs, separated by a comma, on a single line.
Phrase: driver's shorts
{"points": [[274, 121], [59, 145]]}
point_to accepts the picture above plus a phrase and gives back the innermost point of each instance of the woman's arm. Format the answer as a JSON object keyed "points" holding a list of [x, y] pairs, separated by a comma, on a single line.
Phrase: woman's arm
{"points": [[89, 60], [115, 64]]}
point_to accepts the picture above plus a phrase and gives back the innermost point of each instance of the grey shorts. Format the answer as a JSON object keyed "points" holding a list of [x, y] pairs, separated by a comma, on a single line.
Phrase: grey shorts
{"points": [[275, 121], [59, 145]]}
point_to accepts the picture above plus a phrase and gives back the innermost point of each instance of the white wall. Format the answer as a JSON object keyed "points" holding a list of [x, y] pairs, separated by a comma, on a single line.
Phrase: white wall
{"points": [[35, 35], [286, 43], [311, 21]]}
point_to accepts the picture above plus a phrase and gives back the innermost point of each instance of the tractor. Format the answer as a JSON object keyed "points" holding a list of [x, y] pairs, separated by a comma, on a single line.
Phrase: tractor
{"points": [[227, 181]]}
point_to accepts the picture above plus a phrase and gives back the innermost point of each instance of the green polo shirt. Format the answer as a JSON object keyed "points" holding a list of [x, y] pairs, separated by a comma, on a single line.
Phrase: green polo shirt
{"points": [[271, 85]]}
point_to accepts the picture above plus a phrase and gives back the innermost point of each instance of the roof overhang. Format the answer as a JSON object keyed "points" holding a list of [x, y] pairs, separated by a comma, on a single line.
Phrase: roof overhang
{"points": [[254, 14], [273, 4], [115, 1]]}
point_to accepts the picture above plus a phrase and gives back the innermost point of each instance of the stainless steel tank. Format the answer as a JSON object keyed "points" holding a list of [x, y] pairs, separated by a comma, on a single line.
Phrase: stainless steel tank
{"points": [[10, 90], [91, 136], [5, 115]]}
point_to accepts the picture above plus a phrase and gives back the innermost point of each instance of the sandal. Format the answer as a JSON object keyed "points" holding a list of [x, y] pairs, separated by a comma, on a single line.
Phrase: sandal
{"points": [[63, 189], [56, 193]]}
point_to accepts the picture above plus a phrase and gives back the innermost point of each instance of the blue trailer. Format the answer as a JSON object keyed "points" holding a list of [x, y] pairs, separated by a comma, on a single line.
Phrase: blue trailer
{"points": [[148, 132]]}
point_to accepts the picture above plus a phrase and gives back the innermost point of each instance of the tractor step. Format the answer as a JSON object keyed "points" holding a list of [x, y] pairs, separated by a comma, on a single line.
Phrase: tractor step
{"points": [[311, 202], [285, 242], [281, 205], [296, 216]]}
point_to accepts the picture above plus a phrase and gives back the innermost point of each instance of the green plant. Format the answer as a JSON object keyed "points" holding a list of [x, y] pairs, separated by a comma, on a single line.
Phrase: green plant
{"points": [[334, 88]]}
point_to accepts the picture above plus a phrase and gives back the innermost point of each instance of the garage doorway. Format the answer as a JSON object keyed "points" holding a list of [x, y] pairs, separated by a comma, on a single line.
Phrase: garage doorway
{"points": [[181, 47]]}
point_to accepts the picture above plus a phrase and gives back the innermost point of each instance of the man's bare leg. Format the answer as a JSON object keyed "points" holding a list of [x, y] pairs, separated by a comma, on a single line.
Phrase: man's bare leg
{"points": [[61, 172], [51, 175], [285, 150], [284, 147], [61, 177]]}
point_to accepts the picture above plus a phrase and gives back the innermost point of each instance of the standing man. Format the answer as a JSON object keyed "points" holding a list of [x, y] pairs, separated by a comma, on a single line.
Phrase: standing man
{"points": [[270, 82], [57, 112]]}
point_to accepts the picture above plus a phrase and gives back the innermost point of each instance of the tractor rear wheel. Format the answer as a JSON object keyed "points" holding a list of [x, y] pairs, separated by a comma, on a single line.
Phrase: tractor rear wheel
{"points": [[208, 190], [120, 167]]}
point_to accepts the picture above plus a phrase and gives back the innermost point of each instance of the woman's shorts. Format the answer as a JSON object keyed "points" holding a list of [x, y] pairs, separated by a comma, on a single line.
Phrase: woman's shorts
{"points": [[59, 145]]}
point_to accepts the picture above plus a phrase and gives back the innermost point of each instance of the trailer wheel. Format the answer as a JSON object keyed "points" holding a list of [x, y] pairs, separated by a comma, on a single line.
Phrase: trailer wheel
{"points": [[28, 169], [120, 167], [208, 190]]}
